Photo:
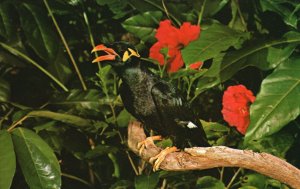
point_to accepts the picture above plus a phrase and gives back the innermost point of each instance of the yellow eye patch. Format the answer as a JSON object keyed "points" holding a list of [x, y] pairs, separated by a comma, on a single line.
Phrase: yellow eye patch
{"points": [[130, 52]]}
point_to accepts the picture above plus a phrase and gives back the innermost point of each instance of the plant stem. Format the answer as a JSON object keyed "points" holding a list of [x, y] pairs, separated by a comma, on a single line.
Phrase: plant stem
{"points": [[162, 9], [165, 9], [90, 35], [17, 123], [222, 173], [164, 184], [132, 163], [122, 140], [90, 163], [240, 14], [77, 179], [34, 63], [201, 13], [233, 178], [6, 116], [113, 159], [190, 84], [66, 46]]}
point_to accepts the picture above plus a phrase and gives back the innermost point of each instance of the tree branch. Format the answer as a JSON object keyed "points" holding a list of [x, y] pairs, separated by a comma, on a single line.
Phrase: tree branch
{"points": [[199, 158]]}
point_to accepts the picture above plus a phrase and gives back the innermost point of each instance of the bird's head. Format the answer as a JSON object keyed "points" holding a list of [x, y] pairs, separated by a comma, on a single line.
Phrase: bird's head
{"points": [[117, 54]]}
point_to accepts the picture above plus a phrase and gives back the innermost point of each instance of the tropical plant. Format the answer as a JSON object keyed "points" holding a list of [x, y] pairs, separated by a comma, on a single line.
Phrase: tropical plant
{"points": [[63, 124]]}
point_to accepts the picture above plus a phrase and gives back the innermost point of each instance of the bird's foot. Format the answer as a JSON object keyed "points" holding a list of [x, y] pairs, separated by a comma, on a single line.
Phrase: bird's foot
{"points": [[159, 158], [149, 140]]}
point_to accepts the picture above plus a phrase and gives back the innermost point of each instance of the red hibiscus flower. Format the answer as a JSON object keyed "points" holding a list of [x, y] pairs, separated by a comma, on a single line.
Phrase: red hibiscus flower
{"points": [[174, 40], [236, 102]]}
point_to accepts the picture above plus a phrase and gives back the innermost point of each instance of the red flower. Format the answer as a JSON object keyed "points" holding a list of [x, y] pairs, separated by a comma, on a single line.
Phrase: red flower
{"points": [[236, 102], [174, 40]]}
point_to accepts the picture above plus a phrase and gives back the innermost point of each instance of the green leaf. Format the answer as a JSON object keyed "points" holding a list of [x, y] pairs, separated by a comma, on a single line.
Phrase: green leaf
{"points": [[53, 139], [277, 102], [214, 130], [65, 118], [60, 67], [208, 182], [248, 187], [143, 25], [211, 8], [116, 6], [286, 9], [89, 101], [121, 184], [100, 150], [254, 180], [264, 55], [123, 118], [8, 22], [20, 54], [35, 24], [7, 160], [271, 183], [146, 181], [213, 40], [37, 160], [236, 21], [45, 42], [4, 90], [277, 144]]}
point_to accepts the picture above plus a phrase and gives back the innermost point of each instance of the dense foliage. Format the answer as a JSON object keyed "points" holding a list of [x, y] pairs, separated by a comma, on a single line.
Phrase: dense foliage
{"points": [[63, 124]]}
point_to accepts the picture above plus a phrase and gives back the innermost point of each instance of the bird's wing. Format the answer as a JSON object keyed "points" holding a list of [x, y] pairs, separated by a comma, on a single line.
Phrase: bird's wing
{"points": [[174, 110], [169, 104], [127, 98]]}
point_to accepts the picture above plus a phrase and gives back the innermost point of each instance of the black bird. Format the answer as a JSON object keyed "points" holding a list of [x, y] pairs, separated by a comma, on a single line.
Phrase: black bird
{"points": [[153, 101]]}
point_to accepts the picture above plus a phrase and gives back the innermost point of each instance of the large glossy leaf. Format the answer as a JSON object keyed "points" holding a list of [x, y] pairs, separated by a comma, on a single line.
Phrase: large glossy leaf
{"points": [[4, 90], [277, 102], [213, 40], [287, 9], [35, 24], [143, 25], [37, 160], [264, 55], [7, 160]]}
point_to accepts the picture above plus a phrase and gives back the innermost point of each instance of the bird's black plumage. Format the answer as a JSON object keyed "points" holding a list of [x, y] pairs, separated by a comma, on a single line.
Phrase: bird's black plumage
{"points": [[156, 102]]}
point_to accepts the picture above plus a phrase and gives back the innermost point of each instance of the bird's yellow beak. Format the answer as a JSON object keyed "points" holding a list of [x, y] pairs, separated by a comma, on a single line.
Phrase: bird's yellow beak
{"points": [[110, 53], [129, 53]]}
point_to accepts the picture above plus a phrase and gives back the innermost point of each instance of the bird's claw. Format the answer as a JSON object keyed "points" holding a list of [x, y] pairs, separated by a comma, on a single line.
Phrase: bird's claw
{"points": [[159, 158], [149, 140]]}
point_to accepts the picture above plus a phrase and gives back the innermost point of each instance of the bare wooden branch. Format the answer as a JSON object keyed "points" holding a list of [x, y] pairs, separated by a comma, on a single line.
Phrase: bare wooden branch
{"points": [[199, 158]]}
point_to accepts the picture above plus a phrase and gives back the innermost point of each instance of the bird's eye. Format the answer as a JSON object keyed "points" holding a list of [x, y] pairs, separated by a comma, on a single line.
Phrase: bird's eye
{"points": [[128, 53]]}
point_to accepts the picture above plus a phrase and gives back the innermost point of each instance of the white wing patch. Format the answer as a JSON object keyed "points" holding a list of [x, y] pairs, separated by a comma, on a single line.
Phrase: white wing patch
{"points": [[191, 125]]}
